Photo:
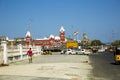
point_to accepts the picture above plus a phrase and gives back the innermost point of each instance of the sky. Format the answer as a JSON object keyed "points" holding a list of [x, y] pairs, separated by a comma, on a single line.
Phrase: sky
{"points": [[99, 19]]}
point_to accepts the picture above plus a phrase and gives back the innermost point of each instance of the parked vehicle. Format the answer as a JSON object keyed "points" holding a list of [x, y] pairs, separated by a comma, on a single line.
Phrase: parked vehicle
{"points": [[68, 51], [88, 52], [63, 51], [101, 50], [117, 55], [83, 51], [46, 52], [94, 49], [80, 51]]}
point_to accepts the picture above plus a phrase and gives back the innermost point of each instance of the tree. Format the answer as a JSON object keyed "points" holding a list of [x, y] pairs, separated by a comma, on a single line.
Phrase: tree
{"points": [[96, 43], [116, 43]]}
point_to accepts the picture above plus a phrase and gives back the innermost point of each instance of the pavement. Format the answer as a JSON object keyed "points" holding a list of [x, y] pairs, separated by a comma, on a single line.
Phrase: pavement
{"points": [[51, 67]]}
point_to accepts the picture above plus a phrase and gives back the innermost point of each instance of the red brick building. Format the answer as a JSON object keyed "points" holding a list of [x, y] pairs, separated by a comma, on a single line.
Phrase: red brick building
{"points": [[52, 41]]}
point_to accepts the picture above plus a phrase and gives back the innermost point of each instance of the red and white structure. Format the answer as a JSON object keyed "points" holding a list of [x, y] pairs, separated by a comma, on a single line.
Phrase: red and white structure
{"points": [[52, 41], [28, 39], [62, 34]]}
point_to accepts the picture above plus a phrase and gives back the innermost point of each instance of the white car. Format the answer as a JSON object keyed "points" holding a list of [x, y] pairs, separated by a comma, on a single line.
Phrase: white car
{"points": [[83, 51], [87, 52], [80, 51], [101, 50], [63, 51], [68, 51]]}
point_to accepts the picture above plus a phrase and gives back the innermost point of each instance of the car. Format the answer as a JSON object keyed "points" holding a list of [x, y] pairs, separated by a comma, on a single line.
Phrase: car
{"points": [[88, 52], [83, 51], [80, 51], [101, 50], [63, 51], [94, 49], [68, 51]]}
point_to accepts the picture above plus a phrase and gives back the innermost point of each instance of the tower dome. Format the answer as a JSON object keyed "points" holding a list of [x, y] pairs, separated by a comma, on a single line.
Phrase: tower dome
{"points": [[51, 36], [28, 34], [62, 29], [57, 38]]}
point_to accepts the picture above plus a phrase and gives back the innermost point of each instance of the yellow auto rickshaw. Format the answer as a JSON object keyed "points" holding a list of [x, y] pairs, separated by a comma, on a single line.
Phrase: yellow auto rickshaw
{"points": [[117, 55], [47, 52]]}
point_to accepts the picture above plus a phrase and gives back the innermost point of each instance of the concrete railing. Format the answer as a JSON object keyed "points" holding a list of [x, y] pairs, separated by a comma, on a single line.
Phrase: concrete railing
{"points": [[10, 54], [1, 54]]}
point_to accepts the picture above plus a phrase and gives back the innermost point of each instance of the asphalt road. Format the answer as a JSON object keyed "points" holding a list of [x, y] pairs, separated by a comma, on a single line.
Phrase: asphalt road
{"points": [[104, 66]]}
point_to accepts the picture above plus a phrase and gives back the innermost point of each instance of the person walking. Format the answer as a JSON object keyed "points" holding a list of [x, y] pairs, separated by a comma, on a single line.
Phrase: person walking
{"points": [[29, 52]]}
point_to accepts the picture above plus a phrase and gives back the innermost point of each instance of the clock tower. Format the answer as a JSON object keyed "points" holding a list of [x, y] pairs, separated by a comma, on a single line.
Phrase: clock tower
{"points": [[28, 39], [62, 34]]}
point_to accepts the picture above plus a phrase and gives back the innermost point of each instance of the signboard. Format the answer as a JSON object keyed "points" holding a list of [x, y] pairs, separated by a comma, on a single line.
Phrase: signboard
{"points": [[71, 44]]}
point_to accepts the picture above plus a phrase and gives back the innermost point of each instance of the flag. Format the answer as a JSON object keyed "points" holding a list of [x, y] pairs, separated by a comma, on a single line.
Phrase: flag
{"points": [[75, 33]]}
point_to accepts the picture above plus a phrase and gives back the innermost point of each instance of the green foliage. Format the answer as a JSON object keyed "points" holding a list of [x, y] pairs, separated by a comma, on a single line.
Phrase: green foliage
{"points": [[96, 43], [85, 43], [70, 39], [116, 43]]}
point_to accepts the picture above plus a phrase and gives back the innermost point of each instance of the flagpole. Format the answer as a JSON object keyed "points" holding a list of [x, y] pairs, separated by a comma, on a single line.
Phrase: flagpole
{"points": [[77, 37], [76, 34]]}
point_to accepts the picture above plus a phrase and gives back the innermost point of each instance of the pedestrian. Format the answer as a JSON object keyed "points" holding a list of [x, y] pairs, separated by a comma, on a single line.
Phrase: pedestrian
{"points": [[29, 53]]}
